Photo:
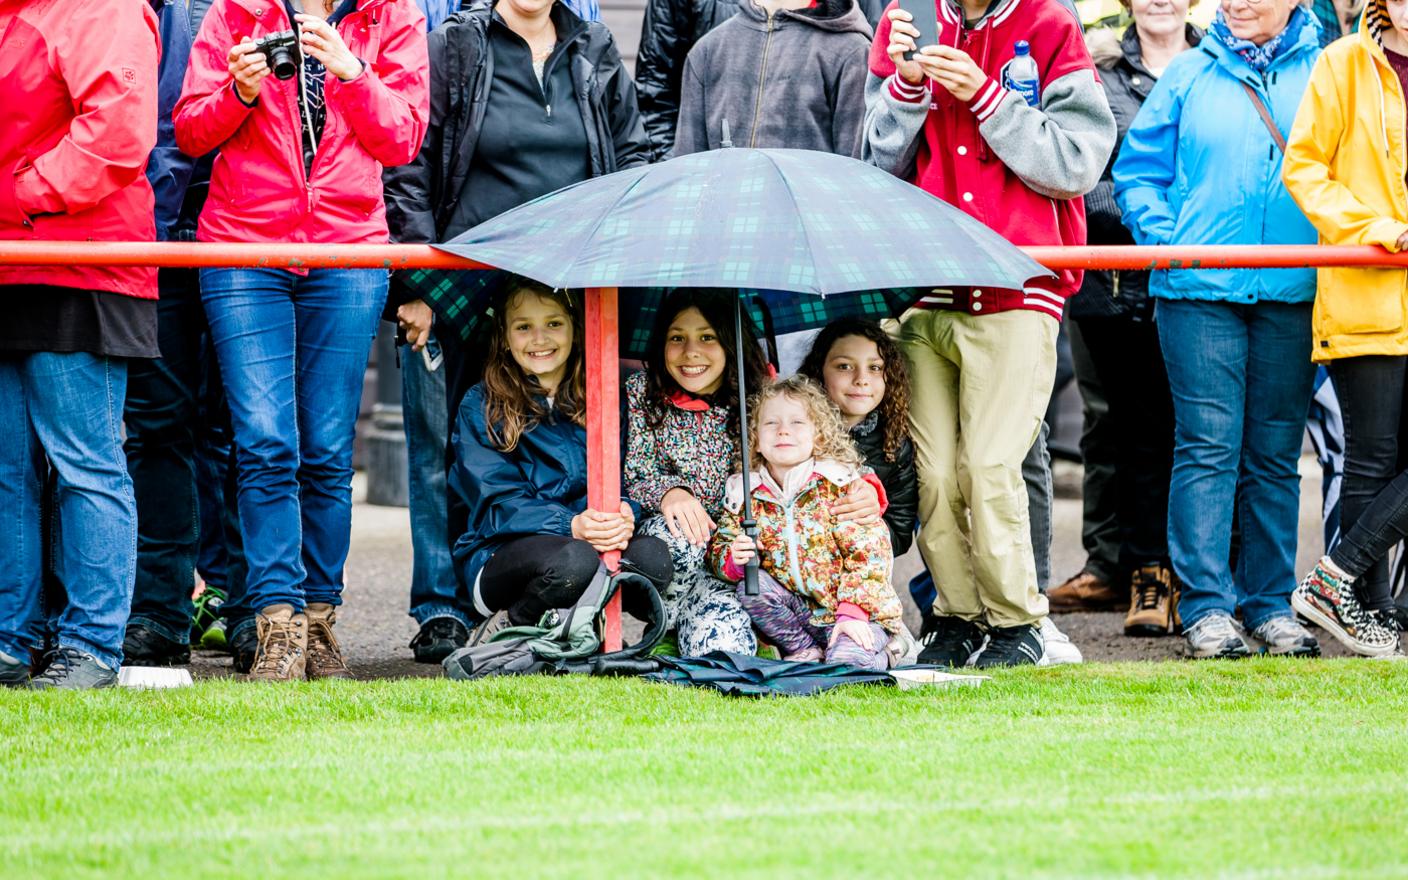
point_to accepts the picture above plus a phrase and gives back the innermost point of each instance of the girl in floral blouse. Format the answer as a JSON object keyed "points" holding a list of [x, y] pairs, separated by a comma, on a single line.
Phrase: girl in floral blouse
{"points": [[825, 582]]}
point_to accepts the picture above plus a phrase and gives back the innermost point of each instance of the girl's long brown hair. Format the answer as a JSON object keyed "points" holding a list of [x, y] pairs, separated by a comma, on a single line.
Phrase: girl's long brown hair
{"points": [[513, 401], [894, 407]]}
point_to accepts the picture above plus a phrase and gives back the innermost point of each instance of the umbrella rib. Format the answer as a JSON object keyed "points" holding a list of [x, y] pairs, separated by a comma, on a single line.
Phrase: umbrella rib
{"points": [[607, 213], [797, 211]]}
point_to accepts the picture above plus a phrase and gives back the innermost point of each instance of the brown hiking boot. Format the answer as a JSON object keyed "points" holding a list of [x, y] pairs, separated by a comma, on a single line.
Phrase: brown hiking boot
{"points": [[283, 645], [1150, 602], [1084, 592], [324, 654]]}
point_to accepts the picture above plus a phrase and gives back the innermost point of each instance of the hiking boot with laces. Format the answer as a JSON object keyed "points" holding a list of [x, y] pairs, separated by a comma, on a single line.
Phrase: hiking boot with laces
{"points": [[1150, 602], [144, 646], [324, 653], [282, 653], [1214, 636], [439, 637], [1329, 602], [14, 673], [486, 630], [1019, 645], [1284, 636], [72, 669], [952, 640], [1084, 591]]}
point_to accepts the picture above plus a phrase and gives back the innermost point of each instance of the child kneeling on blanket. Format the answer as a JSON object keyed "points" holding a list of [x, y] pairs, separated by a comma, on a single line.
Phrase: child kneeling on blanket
{"points": [[825, 583]]}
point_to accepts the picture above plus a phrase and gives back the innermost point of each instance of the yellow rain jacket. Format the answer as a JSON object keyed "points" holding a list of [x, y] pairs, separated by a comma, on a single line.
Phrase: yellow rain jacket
{"points": [[1345, 164]]}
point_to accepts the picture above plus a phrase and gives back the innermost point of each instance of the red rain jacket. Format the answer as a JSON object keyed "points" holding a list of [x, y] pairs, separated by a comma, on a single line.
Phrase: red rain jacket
{"points": [[78, 84], [258, 189]]}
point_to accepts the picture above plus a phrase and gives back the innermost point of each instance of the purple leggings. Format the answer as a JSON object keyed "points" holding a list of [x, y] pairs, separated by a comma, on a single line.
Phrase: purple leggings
{"points": [[785, 618]]}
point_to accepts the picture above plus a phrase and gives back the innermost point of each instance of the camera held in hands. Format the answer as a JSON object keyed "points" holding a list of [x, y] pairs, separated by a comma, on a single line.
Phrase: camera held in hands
{"points": [[282, 52]]}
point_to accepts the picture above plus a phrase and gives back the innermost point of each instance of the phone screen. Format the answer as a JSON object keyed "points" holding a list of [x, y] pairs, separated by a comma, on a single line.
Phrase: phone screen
{"points": [[926, 21]]}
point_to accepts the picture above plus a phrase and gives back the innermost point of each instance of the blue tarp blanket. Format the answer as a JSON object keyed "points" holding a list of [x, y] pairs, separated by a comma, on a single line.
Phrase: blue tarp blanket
{"points": [[748, 676]]}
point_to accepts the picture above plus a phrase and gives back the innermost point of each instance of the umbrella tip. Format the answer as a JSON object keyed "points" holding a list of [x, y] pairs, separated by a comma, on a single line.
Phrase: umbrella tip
{"points": [[726, 142]]}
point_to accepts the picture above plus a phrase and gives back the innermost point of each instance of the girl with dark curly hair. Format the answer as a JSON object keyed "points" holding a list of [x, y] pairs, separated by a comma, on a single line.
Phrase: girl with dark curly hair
{"points": [[865, 377]]}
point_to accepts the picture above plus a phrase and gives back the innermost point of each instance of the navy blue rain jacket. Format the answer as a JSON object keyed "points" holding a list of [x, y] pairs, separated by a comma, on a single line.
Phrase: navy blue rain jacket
{"points": [[169, 170]]}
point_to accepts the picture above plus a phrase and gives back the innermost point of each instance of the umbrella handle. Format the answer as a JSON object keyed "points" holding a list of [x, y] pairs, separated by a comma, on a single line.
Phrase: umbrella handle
{"points": [[750, 571]]}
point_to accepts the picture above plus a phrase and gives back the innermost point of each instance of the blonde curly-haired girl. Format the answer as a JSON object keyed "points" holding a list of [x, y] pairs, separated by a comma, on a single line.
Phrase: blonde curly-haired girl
{"points": [[825, 583]]}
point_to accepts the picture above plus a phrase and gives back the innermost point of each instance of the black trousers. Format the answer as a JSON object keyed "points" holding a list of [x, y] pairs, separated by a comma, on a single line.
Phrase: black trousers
{"points": [[1137, 432], [1374, 498], [529, 576]]}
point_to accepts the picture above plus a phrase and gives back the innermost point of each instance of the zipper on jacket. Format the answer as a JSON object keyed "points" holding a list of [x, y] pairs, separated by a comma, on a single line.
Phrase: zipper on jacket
{"points": [[762, 78], [792, 565]]}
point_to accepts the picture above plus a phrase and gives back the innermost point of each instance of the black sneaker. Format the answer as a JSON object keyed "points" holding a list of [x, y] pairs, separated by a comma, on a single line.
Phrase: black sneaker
{"points": [[14, 672], [439, 637], [244, 644], [1012, 646], [951, 640], [143, 646]]}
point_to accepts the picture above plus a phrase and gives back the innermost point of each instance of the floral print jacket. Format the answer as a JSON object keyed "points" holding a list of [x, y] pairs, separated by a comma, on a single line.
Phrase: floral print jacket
{"points": [[841, 568], [691, 449]]}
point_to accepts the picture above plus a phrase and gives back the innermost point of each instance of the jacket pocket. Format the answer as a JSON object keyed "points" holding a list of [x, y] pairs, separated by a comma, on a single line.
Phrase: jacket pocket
{"points": [[1358, 302]]}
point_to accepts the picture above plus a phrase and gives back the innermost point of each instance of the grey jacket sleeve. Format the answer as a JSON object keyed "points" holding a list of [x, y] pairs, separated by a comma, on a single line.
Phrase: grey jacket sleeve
{"points": [[1058, 149], [848, 101], [692, 126], [892, 127]]}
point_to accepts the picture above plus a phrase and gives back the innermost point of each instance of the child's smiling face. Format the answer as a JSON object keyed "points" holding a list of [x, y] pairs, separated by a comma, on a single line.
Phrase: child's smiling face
{"points": [[694, 356], [785, 434], [854, 375]]}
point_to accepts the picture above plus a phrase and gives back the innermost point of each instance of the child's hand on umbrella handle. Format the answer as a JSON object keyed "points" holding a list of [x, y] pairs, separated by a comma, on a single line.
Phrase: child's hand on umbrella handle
{"points": [[902, 37], [859, 632], [861, 505], [685, 517], [1403, 242], [743, 549]]}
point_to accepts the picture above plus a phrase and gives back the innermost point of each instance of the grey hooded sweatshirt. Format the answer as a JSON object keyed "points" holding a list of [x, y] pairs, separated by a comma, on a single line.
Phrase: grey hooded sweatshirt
{"points": [[793, 79]]}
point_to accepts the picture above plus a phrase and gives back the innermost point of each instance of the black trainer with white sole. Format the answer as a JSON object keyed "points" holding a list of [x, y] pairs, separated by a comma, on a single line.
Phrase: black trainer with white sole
{"points": [[950, 640], [1019, 645]]}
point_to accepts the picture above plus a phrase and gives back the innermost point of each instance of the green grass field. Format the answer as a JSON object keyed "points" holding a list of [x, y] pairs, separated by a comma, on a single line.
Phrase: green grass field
{"points": [[1255, 769]]}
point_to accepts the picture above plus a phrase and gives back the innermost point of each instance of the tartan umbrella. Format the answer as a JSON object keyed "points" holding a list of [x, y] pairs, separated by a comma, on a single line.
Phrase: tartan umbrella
{"points": [[780, 222]]}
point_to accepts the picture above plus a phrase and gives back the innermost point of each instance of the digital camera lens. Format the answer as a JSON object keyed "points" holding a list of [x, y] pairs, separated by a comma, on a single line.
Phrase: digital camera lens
{"points": [[281, 62]]}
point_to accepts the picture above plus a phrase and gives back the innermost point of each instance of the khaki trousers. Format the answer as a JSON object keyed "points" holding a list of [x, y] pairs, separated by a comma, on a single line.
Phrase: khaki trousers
{"points": [[979, 389]]}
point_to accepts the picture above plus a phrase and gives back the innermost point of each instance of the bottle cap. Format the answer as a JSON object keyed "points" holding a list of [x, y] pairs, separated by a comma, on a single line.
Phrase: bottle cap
{"points": [[1022, 47]]}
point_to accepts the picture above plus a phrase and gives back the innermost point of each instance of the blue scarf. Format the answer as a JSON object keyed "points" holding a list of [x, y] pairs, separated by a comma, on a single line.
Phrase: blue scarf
{"points": [[1260, 57]]}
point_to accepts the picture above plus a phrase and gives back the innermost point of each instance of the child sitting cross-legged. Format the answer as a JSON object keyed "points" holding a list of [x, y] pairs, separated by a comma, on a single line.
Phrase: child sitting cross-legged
{"points": [[824, 583]]}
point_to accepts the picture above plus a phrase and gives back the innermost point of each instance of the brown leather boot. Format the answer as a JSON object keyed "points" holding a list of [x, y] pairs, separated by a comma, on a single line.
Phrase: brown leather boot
{"points": [[324, 654], [283, 645], [1084, 592], [1150, 602]]}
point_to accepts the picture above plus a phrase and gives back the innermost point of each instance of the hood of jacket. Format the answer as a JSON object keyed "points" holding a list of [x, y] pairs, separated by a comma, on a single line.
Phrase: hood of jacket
{"points": [[799, 479], [1344, 165], [839, 16]]}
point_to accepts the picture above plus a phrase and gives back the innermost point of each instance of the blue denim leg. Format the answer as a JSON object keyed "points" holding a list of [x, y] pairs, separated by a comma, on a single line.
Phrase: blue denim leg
{"points": [[220, 559], [1280, 379], [338, 311], [162, 421], [21, 540], [1205, 351], [292, 351], [75, 403], [435, 590]]}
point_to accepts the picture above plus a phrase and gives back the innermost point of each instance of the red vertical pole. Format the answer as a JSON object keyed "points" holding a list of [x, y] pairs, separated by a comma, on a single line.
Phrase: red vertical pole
{"points": [[604, 427]]}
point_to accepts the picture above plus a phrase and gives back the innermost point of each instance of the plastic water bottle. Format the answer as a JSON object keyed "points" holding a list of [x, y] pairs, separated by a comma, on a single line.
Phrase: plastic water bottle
{"points": [[1020, 74]]}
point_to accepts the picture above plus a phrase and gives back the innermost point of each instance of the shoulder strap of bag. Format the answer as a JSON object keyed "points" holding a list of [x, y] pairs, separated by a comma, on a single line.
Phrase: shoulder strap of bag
{"points": [[1265, 114]]}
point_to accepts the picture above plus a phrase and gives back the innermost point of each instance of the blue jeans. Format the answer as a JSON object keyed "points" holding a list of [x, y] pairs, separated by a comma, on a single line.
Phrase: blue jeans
{"points": [[1241, 380], [435, 589], [292, 351], [167, 428], [66, 408]]}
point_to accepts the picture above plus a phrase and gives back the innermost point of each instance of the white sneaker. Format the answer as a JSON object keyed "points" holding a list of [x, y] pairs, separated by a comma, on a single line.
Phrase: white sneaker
{"points": [[1060, 650]]}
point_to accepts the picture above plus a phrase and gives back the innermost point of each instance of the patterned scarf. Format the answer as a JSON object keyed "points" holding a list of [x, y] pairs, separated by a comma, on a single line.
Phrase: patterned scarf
{"points": [[1260, 57]]}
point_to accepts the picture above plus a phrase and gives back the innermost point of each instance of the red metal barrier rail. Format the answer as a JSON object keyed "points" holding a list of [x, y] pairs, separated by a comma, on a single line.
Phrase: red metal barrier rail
{"points": [[409, 256]]}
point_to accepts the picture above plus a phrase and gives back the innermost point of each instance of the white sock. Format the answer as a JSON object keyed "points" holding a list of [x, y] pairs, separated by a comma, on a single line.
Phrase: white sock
{"points": [[1334, 570]]}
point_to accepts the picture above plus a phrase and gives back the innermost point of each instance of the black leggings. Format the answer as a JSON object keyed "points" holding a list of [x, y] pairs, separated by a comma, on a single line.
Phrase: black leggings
{"points": [[1374, 501], [529, 576]]}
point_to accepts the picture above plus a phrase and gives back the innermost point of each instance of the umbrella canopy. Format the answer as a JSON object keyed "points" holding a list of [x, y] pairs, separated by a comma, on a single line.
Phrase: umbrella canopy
{"points": [[782, 220]]}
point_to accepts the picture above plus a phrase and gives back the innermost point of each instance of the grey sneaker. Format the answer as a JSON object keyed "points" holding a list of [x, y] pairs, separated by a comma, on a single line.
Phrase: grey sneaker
{"points": [[13, 673], [73, 669], [486, 630], [1285, 636], [1214, 636]]}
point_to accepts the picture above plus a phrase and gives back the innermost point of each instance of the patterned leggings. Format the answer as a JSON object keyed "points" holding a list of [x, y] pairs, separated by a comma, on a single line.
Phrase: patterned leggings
{"points": [[703, 610], [785, 618]]}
